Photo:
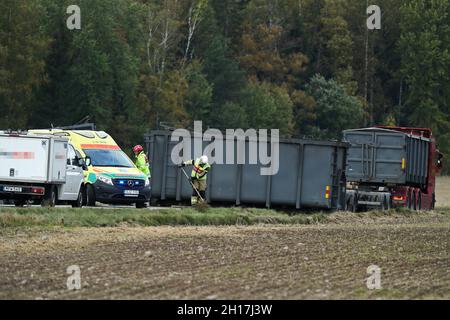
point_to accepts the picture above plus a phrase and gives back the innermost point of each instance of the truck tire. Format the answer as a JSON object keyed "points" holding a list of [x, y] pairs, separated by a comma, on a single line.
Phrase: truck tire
{"points": [[80, 200], [382, 200], [387, 204], [90, 196], [50, 197], [419, 201], [352, 204], [433, 201], [408, 199]]}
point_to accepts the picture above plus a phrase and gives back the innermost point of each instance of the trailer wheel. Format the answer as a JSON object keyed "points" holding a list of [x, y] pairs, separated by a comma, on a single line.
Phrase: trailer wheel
{"points": [[414, 201], [352, 204], [50, 197], [90, 196], [433, 201], [408, 200], [419, 201], [386, 203]]}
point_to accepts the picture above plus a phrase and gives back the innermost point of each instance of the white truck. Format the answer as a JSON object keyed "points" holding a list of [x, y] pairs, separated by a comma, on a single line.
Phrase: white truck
{"points": [[44, 169]]}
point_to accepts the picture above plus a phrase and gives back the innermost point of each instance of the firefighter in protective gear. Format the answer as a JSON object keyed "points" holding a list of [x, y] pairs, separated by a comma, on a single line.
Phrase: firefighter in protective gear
{"points": [[141, 160], [199, 175]]}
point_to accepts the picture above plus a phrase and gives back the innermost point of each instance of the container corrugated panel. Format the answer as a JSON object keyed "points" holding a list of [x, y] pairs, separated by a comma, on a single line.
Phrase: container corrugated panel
{"points": [[306, 169], [382, 156]]}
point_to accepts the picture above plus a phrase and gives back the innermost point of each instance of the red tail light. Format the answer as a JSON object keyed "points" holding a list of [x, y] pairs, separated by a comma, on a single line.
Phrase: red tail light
{"points": [[399, 198], [38, 190]]}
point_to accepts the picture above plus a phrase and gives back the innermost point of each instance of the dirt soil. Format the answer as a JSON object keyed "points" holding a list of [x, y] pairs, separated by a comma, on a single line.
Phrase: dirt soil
{"points": [[443, 192], [327, 261]]}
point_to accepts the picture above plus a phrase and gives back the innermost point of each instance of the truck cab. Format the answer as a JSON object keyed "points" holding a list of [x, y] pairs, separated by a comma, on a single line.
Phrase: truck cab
{"points": [[110, 176]]}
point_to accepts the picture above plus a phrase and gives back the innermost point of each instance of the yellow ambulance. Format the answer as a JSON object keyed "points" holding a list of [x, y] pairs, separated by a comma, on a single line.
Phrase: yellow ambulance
{"points": [[111, 177]]}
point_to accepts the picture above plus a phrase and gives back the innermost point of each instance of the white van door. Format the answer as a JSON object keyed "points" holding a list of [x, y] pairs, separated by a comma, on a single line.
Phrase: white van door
{"points": [[74, 177]]}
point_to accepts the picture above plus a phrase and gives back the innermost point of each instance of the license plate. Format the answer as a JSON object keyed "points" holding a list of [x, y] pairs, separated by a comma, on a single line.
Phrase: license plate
{"points": [[12, 189], [131, 193]]}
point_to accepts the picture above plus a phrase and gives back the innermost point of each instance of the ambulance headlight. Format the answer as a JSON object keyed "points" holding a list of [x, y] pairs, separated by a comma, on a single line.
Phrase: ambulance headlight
{"points": [[105, 179]]}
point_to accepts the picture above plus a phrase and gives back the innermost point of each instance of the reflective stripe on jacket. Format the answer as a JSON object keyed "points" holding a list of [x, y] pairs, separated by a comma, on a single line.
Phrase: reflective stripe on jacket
{"points": [[142, 163], [199, 171]]}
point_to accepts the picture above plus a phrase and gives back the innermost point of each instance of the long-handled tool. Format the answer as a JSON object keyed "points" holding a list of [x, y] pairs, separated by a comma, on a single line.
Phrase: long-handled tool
{"points": [[190, 181]]}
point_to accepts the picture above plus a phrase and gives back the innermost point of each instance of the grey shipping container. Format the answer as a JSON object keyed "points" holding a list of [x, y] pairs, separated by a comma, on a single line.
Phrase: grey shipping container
{"points": [[382, 156], [310, 175]]}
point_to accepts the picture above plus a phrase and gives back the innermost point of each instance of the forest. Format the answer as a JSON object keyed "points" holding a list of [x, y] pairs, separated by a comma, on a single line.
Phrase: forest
{"points": [[309, 68]]}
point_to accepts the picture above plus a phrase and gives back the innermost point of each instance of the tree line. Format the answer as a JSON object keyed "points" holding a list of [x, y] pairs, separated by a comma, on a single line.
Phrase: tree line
{"points": [[308, 67]]}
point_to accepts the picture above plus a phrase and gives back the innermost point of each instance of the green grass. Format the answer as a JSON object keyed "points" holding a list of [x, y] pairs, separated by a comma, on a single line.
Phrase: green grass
{"points": [[92, 217]]}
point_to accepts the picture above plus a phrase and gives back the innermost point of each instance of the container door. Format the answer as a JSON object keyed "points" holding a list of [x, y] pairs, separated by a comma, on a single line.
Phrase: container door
{"points": [[360, 155], [389, 154], [58, 160], [317, 176]]}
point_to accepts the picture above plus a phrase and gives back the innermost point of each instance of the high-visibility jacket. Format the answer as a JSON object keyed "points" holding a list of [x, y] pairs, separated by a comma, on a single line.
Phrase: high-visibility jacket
{"points": [[142, 163], [199, 170]]}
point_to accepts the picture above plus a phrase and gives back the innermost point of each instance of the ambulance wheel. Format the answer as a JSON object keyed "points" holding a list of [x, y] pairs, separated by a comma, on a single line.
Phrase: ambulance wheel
{"points": [[141, 205], [90, 196], [49, 197], [19, 203], [80, 200]]}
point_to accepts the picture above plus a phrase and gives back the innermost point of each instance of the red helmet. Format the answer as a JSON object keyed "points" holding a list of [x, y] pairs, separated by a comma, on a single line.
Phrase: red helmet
{"points": [[138, 148]]}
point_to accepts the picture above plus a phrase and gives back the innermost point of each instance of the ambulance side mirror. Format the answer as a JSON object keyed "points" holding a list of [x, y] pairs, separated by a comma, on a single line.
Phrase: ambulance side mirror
{"points": [[82, 164], [88, 161]]}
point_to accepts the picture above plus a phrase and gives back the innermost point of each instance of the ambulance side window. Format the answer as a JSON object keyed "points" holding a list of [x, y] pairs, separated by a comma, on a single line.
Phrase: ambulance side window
{"points": [[78, 154], [71, 156]]}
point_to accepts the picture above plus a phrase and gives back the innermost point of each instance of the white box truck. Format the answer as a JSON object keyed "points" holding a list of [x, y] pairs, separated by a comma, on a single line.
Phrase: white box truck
{"points": [[41, 168]]}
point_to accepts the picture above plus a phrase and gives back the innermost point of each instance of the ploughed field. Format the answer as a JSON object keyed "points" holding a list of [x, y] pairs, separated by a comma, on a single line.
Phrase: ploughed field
{"points": [[323, 258], [253, 262]]}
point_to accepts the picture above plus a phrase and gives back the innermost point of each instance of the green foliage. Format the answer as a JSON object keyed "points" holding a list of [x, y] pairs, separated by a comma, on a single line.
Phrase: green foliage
{"points": [[268, 106], [336, 110], [23, 49], [93, 70], [251, 63], [222, 72], [425, 41], [200, 93], [337, 56]]}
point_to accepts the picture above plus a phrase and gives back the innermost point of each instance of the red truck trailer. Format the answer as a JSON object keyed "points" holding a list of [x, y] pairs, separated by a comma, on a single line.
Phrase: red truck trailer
{"points": [[391, 167]]}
